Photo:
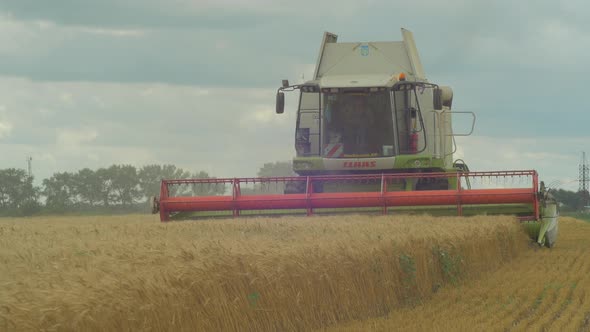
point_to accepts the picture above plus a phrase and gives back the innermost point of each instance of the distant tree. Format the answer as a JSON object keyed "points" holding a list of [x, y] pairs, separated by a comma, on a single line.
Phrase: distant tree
{"points": [[150, 177], [149, 180], [584, 199], [124, 184], [120, 186], [18, 196], [60, 191], [570, 200], [207, 189], [105, 186], [89, 187], [278, 168]]}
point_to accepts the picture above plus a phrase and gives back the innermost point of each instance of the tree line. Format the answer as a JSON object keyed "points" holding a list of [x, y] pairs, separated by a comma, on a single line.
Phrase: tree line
{"points": [[572, 201], [125, 188], [118, 188]]}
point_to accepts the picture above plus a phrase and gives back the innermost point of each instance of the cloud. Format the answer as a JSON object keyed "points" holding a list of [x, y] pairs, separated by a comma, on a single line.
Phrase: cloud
{"points": [[5, 129], [224, 131], [75, 138], [90, 83], [115, 32], [554, 158], [241, 43], [561, 44], [137, 13], [51, 52]]}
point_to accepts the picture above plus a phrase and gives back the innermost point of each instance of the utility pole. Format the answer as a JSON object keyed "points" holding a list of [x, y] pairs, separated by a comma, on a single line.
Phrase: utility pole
{"points": [[30, 166], [584, 179]]}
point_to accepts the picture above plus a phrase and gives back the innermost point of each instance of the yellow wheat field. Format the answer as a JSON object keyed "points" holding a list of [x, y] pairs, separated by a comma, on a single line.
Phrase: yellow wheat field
{"points": [[543, 290], [347, 272]]}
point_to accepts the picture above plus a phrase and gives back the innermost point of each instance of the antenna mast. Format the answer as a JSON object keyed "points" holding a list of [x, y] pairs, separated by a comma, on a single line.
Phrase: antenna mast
{"points": [[30, 166]]}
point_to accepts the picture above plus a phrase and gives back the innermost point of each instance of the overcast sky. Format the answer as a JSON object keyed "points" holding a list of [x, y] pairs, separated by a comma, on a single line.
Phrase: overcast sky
{"points": [[191, 82]]}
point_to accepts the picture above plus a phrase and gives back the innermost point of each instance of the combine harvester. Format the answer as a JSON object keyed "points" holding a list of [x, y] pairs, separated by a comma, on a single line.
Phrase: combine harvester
{"points": [[372, 135]]}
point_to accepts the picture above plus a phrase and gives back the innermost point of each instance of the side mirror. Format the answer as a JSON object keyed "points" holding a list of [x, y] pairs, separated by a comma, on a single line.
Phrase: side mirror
{"points": [[437, 101], [280, 107], [285, 83], [446, 96]]}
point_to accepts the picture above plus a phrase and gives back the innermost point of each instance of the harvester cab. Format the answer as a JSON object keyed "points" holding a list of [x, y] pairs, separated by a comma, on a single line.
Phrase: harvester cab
{"points": [[370, 109], [372, 135]]}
